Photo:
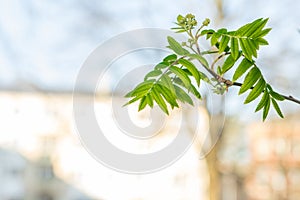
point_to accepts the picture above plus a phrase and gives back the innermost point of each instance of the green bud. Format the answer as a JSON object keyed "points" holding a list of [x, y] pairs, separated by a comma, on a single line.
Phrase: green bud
{"points": [[194, 23], [206, 22], [180, 18], [190, 16]]}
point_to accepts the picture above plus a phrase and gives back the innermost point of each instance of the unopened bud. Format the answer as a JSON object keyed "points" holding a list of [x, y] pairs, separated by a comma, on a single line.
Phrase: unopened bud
{"points": [[206, 22]]}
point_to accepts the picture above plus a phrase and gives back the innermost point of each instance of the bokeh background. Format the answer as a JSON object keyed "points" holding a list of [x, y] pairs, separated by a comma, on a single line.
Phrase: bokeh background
{"points": [[42, 47]]}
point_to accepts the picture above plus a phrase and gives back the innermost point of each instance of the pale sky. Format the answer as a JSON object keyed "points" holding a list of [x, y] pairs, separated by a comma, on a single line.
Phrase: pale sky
{"points": [[43, 44]]}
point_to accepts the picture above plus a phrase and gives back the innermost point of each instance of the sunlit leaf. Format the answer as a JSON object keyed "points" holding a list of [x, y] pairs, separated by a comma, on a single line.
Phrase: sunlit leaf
{"points": [[142, 88], [167, 94], [277, 96], [257, 28], [176, 47], [182, 75], [277, 108], [170, 58], [245, 30], [149, 100], [223, 43], [183, 96], [242, 68], [256, 91], [143, 103], [234, 48], [266, 108], [262, 33], [133, 100], [252, 47], [263, 101], [245, 48], [250, 79], [153, 73], [201, 59], [161, 65], [166, 81], [195, 92], [192, 68], [228, 64], [214, 38], [262, 41], [159, 100]]}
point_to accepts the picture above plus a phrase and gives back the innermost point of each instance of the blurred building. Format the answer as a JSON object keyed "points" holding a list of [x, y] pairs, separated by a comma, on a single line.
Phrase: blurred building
{"points": [[22, 179], [260, 161], [275, 159], [41, 156]]}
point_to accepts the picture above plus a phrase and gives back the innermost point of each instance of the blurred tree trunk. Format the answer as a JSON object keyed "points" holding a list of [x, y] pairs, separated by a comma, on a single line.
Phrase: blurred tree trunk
{"points": [[209, 152], [214, 178], [220, 11], [216, 130]]}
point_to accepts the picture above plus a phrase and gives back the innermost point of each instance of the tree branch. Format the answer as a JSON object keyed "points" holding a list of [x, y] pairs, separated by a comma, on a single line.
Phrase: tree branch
{"points": [[289, 98]]}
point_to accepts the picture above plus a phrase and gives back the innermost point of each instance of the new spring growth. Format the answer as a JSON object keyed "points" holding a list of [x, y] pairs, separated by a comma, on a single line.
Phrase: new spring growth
{"points": [[188, 22], [206, 22]]}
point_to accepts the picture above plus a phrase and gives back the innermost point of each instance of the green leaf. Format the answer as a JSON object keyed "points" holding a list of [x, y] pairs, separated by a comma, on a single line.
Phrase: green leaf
{"points": [[257, 28], [187, 71], [246, 49], [257, 25], [161, 65], [166, 81], [149, 100], [263, 101], [228, 64], [195, 92], [182, 75], [250, 79], [262, 33], [246, 29], [204, 77], [207, 32], [277, 108], [277, 96], [262, 41], [201, 59], [269, 87], [159, 100], [153, 73], [167, 94], [143, 88], [170, 58], [176, 47], [219, 70], [256, 91], [179, 30], [143, 103], [234, 48], [222, 31], [252, 47], [223, 43], [242, 68], [192, 68], [183, 96], [266, 109], [133, 100], [214, 38]]}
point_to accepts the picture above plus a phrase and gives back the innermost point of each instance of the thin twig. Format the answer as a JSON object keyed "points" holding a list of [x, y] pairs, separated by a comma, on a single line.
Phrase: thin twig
{"points": [[216, 60], [289, 98]]}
